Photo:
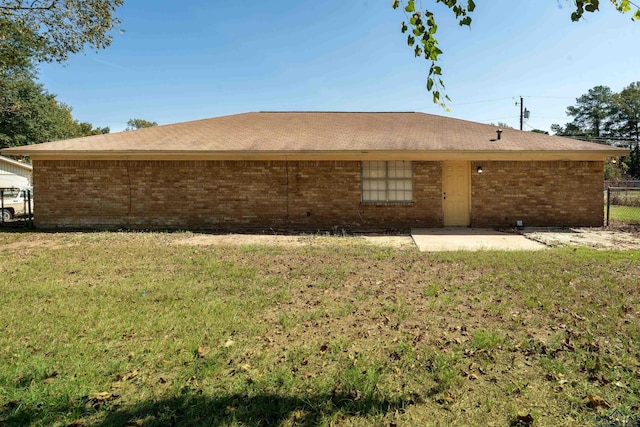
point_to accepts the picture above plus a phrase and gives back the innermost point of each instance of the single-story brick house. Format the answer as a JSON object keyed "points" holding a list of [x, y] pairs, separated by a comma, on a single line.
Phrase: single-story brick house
{"points": [[318, 170]]}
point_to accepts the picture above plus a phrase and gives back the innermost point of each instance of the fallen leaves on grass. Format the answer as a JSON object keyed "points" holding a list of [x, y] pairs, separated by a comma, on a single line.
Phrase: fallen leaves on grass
{"points": [[100, 398], [312, 317], [523, 420], [129, 376], [140, 422], [596, 401], [50, 378], [202, 351], [120, 379], [12, 404]]}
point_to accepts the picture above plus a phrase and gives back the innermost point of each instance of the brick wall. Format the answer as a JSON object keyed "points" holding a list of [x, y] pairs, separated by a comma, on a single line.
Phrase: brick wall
{"points": [[227, 195], [538, 193], [224, 195]]}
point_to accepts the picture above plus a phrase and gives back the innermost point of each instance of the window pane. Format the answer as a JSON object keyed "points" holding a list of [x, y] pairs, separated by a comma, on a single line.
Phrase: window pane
{"points": [[405, 196], [375, 170], [387, 181], [374, 196], [394, 169], [399, 184], [399, 169], [372, 184], [366, 166], [395, 185]]}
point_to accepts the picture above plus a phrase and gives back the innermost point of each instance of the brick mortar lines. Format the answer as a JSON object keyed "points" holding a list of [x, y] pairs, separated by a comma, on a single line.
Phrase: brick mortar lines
{"points": [[305, 195]]}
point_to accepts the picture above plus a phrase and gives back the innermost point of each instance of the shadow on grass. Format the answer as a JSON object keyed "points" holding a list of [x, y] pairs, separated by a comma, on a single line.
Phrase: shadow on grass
{"points": [[196, 410]]}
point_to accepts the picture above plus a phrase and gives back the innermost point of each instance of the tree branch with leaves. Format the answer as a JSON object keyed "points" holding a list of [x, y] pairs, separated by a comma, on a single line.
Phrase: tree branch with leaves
{"points": [[134, 124], [422, 28], [50, 30]]}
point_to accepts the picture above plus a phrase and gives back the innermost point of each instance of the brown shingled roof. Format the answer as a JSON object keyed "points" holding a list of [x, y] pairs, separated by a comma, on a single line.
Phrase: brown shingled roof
{"points": [[314, 134]]}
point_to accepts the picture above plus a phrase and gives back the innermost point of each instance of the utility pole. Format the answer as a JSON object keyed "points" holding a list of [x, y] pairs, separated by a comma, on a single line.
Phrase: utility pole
{"points": [[524, 113], [521, 113]]}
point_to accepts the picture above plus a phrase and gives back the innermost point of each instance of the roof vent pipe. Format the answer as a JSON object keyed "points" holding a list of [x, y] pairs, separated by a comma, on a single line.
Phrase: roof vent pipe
{"points": [[499, 132]]}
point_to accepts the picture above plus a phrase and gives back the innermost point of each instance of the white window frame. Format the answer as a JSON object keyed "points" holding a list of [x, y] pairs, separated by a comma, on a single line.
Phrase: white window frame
{"points": [[387, 181]]}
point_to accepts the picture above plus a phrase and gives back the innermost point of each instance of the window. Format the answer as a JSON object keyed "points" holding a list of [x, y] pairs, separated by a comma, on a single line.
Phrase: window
{"points": [[387, 181]]}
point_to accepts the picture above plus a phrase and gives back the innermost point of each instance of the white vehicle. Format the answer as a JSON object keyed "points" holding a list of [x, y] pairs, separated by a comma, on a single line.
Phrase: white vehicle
{"points": [[15, 202]]}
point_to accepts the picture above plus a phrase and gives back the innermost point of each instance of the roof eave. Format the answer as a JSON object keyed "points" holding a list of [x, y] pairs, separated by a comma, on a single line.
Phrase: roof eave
{"points": [[16, 163], [317, 155]]}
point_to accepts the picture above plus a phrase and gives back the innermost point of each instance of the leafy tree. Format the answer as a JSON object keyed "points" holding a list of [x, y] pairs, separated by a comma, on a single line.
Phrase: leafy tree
{"points": [[540, 131], [9, 78], [35, 114], [615, 171], [49, 30], [87, 129], [422, 31], [633, 162], [17, 45], [601, 114], [569, 129], [592, 110], [626, 113], [592, 115], [134, 124], [616, 116], [502, 125], [34, 31]]}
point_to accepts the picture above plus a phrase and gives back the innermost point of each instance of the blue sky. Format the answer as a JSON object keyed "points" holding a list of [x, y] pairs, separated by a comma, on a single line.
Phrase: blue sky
{"points": [[180, 61]]}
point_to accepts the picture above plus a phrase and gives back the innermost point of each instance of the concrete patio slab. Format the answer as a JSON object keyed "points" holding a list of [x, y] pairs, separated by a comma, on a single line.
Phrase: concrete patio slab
{"points": [[470, 239]]}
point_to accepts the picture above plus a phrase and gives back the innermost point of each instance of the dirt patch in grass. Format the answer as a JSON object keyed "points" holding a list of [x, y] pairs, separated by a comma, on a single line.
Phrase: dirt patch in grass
{"points": [[308, 240], [623, 237], [595, 238], [24, 242]]}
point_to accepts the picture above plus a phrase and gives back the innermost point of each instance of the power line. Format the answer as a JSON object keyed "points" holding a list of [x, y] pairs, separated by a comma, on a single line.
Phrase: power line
{"points": [[551, 97], [500, 118], [482, 101], [531, 127], [550, 117], [600, 138]]}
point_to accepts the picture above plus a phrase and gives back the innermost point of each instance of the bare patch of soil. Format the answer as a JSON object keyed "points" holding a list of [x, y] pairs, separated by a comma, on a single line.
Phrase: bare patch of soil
{"points": [[595, 238], [399, 242], [35, 241]]}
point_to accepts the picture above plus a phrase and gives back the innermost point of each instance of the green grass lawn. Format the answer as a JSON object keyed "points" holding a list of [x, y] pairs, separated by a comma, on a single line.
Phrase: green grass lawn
{"points": [[114, 329], [628, 214]]}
